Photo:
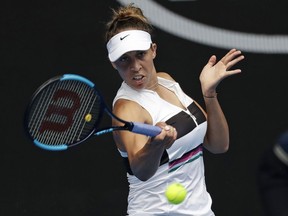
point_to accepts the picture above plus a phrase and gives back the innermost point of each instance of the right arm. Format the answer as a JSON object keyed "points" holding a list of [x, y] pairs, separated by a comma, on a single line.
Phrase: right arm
{"points": [[144, 153]]}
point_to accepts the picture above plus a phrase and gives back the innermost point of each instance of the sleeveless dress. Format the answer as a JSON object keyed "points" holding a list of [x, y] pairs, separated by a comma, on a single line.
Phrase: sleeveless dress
{"points": [[182, 162]]}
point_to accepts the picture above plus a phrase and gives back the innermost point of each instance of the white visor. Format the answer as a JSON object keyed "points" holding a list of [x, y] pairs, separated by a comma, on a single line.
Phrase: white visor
{"points": [[126, 41]]}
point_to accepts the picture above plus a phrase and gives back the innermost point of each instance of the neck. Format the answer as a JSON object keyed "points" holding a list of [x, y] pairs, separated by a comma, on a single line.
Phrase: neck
{"points": [[154, 86]]}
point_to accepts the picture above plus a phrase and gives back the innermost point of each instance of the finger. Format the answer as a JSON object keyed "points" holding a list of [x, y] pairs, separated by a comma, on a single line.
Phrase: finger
{"points": [[234, 61], [232, 72], [230, 56], [211, 61], [167, 128], [230, 52]]}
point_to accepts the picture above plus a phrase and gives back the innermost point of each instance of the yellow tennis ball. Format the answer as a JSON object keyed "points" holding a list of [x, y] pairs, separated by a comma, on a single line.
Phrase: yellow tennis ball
{"points": [[88, 117], [175, 193]]}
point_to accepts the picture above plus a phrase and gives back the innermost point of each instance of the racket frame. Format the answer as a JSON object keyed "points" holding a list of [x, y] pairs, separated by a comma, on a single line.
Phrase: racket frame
{"points": [[103, 108]]}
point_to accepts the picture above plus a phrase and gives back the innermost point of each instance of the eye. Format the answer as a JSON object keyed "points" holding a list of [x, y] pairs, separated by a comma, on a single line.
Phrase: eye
{"points": [[141, 54], [123, 58]]}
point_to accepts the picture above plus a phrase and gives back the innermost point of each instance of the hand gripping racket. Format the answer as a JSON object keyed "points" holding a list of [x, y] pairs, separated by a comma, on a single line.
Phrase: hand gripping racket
{"points": [[66, 110]]}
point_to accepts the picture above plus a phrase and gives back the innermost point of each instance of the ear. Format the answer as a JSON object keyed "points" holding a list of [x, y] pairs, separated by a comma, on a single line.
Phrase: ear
{"points": [[154, 48]]}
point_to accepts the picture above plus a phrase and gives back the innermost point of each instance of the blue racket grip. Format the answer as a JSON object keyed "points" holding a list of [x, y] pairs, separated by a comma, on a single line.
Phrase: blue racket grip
{"points": [[146, 129]]}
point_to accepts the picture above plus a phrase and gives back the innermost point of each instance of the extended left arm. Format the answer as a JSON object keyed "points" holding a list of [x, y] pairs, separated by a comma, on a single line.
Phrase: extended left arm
{"points": [[217, 135]]}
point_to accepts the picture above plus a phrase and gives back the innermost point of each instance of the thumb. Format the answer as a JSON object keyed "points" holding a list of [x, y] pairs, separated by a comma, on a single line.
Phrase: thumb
{"points": [[211, 61]]}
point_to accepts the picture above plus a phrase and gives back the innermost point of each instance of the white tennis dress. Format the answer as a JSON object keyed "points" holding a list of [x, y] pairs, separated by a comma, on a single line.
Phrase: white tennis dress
{"points": [[183, 162]]}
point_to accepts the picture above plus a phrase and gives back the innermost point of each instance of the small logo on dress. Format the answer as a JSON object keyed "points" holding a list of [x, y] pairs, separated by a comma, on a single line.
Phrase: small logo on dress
{"points": [[122, 38]]}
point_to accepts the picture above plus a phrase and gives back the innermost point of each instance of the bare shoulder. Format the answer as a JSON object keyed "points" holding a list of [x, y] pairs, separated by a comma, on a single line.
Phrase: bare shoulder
{"points": [[165, 75], [130, 111], [124, 105]]}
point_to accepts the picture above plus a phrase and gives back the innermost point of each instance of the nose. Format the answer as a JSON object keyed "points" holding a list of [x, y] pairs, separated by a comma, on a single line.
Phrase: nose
{"points": [[135, 65]]}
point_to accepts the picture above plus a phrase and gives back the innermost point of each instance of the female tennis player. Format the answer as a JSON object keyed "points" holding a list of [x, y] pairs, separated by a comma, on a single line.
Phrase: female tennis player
{"points": [[152, 97]]}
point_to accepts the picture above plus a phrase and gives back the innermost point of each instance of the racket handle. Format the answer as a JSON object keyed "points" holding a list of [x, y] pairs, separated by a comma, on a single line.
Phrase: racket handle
{"points": [[146, 129]]}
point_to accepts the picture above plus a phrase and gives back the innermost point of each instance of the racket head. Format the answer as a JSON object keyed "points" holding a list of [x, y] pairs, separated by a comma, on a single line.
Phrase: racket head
{"points": [[63, 112]]}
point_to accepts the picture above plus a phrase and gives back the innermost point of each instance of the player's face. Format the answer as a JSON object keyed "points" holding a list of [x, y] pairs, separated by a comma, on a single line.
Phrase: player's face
{"points": [[136, 68]]}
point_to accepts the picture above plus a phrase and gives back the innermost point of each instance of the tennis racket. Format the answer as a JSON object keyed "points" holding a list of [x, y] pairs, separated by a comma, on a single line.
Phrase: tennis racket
{"points": [[66, 110]]}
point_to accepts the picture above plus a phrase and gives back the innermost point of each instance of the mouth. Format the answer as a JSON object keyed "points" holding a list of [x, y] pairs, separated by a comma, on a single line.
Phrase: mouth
{"points": [[138, 77]]}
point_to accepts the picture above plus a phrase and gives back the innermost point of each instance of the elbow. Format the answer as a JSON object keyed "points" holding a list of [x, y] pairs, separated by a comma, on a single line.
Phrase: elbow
{"points": [[143, 174], [223, 149], [225, 146], [219, 151], [143, 177], [219, 148]]}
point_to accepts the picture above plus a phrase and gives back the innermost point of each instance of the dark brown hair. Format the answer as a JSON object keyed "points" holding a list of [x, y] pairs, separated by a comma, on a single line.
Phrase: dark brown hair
{"points": [[127, 17]]}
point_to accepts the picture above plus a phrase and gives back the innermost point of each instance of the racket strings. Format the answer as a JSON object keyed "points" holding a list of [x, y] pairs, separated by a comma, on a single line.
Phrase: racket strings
{"points": [[87, 101], [84, 127], [40, 106], [55, 137], [77, 132], [67, 136], [43, 102], [70, 134]]}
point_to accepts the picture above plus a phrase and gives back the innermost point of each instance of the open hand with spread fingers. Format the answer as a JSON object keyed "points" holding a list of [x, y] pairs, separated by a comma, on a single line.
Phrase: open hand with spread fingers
{"points": [[213, 73]]}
